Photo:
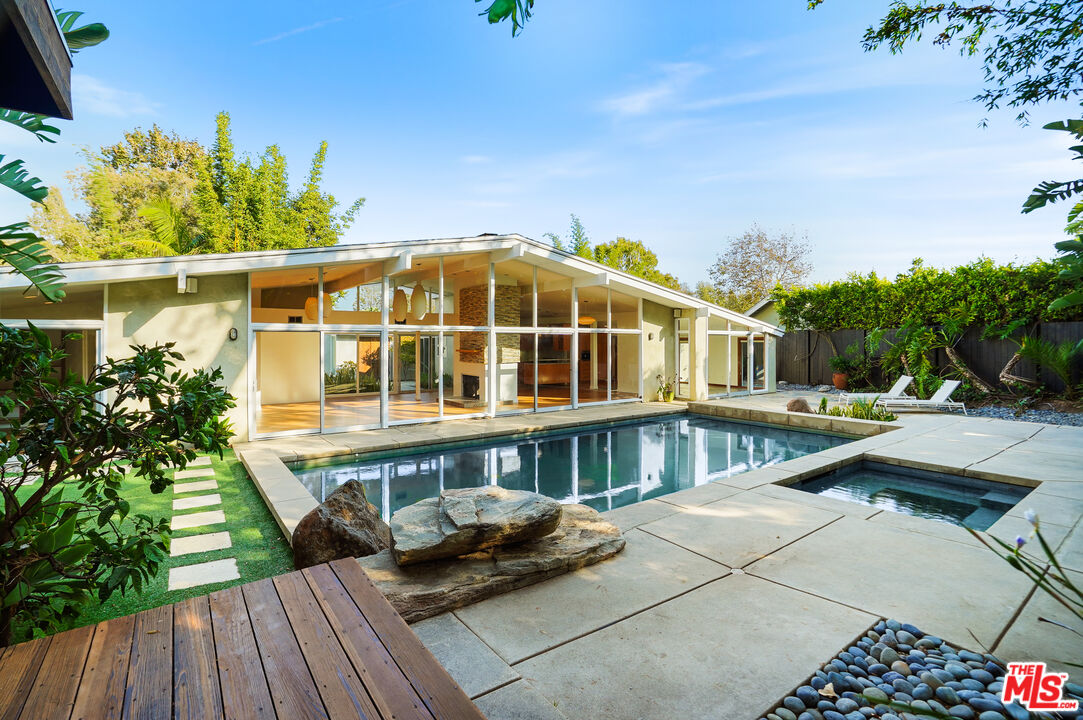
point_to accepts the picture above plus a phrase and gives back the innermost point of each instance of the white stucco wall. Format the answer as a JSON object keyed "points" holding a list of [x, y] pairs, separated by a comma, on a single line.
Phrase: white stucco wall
{"points": [[152, 311]]}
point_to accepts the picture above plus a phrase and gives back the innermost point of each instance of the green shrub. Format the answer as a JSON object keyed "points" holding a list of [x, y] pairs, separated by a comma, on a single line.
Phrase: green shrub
{"points": [[857, 409], [994, 294]]}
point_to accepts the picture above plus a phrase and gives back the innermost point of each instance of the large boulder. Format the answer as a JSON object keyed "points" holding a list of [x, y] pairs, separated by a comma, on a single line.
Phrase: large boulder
{"points": [[460, 522], [421, 591], [798, 405], [345, 525]]}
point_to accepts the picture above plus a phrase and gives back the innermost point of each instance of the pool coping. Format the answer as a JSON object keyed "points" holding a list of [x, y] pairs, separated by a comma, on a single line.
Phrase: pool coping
{"points": [[268, 462]]}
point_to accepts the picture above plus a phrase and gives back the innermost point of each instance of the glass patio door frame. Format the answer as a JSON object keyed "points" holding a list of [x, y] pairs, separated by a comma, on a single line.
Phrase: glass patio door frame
{"points": [[753, 338]]}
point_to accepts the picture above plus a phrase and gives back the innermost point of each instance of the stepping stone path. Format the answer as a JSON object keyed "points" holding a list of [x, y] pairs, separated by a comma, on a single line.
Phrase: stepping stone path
{"points": [[204, 573]]}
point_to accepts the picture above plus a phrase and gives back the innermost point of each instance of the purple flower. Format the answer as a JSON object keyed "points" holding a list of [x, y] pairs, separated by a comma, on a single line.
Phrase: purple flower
{"points": [[1020, 541]]}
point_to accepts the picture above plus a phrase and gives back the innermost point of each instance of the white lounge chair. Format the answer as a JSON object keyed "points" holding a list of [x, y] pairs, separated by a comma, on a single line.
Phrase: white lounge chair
{"points": [[938, 400], [896, 391]]}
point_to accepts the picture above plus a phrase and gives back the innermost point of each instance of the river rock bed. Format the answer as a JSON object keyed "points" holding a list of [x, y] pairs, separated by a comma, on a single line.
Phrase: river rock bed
{"points": [[897, 665]]}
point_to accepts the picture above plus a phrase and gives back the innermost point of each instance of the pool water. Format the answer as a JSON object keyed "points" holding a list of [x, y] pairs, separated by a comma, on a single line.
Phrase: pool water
{"points": [[935, 496], [603, 467]]}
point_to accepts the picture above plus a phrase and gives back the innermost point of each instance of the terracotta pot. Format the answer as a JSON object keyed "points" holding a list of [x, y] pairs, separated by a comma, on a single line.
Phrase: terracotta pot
{"points": [[841, 380]]}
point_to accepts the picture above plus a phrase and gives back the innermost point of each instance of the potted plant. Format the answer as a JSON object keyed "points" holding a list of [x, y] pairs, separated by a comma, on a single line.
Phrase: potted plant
{"points": [[842, 367], [665, 389]]}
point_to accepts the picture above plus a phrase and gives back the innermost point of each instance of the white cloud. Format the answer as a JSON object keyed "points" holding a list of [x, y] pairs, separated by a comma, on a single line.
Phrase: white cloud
{"points": [[676, 77], [93, 96], [298, 31]]}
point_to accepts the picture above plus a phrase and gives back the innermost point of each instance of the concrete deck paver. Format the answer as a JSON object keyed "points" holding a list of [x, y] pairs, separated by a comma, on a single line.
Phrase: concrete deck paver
{"points": [[945, 589], [195, 501], [199, 543], [215, 571], [1070, 552], [758, 478], [197, 519], [197, 486], [194, 473], [725, 650], [1029, 639], [636, 514], [518, 701], [467, 659], [1050, 509], [1021, 462], [648, 571], [740, 529], [699, 495], [1007, 528]]}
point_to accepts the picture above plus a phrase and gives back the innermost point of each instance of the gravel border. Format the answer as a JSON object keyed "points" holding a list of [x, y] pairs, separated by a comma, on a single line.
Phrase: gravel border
{"points": [[897, 663]]}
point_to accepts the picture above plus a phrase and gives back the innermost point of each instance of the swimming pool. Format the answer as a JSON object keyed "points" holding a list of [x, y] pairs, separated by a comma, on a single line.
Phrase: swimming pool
{"points": [[931, 495], [603, 467]]}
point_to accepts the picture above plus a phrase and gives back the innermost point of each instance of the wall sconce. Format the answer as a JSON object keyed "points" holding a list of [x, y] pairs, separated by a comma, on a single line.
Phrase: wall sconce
{"points": [[650, 336], [233, 333]]}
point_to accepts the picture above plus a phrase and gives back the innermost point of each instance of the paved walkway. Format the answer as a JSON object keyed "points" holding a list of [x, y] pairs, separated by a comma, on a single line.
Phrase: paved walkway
{"points": [[730, 594], [189, 487]]}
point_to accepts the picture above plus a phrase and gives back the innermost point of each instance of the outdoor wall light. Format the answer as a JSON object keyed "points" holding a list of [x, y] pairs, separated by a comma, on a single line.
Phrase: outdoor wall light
{"points": [[233, 333], [650, 336]]}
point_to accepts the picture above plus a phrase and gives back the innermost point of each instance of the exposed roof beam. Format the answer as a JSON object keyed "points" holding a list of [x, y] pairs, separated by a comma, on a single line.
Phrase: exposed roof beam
{"points": [[402, 263], [600, 279]]}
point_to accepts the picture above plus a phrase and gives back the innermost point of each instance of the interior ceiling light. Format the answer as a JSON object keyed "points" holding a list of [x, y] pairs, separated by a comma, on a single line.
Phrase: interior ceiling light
{"points": [[399, 305], [586, 320], [419, 302]]}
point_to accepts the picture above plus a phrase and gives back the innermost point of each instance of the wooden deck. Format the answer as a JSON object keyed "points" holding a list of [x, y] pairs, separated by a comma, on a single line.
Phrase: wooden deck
{"points": [[321, 643]]}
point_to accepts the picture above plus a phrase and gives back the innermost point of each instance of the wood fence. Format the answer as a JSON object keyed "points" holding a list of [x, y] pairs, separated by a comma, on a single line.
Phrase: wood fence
{"points": [[803, 355]]}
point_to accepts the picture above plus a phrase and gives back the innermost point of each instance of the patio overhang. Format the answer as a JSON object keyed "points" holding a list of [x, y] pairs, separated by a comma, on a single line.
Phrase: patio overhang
{"points": [[35, 58]]}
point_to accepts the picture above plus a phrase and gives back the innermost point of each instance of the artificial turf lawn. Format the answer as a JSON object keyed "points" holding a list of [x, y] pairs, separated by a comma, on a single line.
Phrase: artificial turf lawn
{"points": [[259, 546]]}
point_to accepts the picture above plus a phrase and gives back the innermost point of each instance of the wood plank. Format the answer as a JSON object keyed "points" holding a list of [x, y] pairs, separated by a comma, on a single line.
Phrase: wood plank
{"points": [[292, 689], [150, 673], [101, 691], [53, 693], [17, 675], [343, 693], [390, 690], [442, 695], [196, 692], [245, 695]]}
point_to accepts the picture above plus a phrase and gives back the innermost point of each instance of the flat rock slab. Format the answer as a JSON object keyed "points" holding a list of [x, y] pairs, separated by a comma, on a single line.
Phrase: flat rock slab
{"points": [[459, 522], [430, 588]]}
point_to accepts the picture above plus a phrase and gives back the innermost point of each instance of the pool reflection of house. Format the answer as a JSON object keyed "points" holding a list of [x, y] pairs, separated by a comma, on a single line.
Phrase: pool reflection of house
{"points": [[361, 336]]}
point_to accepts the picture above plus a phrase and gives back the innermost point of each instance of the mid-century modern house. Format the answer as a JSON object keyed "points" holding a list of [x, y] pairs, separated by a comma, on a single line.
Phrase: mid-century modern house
{"points": [[353, 337]]}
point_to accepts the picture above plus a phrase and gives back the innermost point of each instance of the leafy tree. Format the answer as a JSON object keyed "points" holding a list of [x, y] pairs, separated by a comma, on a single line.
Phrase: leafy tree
{"points": [[578, 240], [116, 184], [755, 263], [21, 249], [635, 258], [1031, 50], [66, 534], [247, 206]]}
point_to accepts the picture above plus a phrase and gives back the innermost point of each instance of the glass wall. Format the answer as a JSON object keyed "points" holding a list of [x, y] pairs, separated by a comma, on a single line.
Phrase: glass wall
{"points": [[443, 337]]}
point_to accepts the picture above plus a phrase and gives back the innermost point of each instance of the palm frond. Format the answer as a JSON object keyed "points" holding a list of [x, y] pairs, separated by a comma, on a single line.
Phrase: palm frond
{"points": [[151, 248], [28, 256], [15, 176], [78, 38], [31, 122], [163, 221]]}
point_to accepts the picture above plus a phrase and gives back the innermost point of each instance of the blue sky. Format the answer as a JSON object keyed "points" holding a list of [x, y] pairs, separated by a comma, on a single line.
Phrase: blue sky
{"points": [[679, 124]]}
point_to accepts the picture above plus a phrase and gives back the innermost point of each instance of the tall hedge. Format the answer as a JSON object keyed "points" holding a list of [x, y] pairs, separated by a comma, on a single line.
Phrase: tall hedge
{"points": [[990, 294]]}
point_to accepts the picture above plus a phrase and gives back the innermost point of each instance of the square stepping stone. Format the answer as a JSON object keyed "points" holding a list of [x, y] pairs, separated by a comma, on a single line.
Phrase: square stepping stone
{"points": [[200, 461], [197, 473], [197, 486], [215, 571], [199, 543], [191, 520], [195, 501]]}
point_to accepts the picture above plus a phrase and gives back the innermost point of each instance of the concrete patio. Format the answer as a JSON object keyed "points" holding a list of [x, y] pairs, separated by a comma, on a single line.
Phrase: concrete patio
{"points": [[730, 594]]}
